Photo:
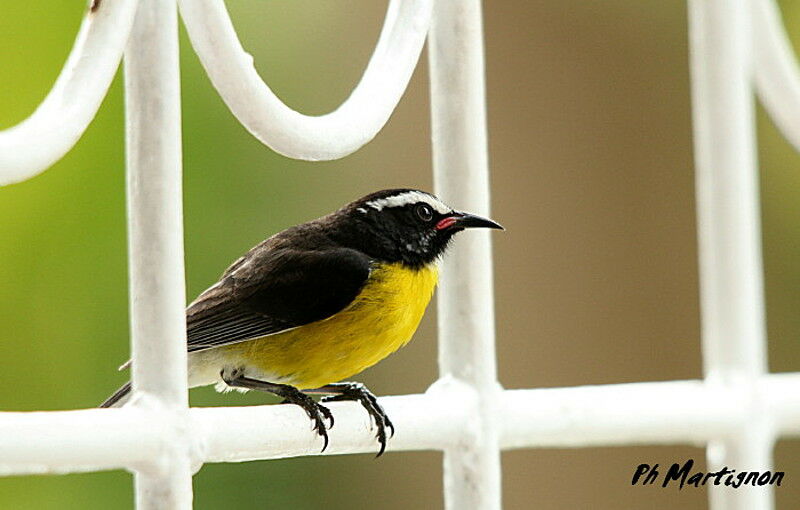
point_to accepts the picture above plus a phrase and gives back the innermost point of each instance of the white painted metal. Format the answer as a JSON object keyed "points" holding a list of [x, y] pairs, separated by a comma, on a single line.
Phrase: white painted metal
{"points": [[286, 131], [737, 410], [31, 146], [465, 302], [776, 76], [155, 220], [729, 236], [673, 412]]}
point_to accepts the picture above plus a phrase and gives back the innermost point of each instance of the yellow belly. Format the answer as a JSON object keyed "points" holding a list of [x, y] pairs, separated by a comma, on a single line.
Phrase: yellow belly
{"points": [[382, 318]]}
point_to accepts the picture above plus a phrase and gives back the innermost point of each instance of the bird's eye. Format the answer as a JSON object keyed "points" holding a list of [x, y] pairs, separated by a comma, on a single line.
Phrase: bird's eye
{"points": [[424, 212]]}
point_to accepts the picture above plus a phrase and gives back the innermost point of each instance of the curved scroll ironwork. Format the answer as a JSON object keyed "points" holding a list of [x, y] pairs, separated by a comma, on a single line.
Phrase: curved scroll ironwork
{"points": [[776, 73], [285, 130], [37, 142]]}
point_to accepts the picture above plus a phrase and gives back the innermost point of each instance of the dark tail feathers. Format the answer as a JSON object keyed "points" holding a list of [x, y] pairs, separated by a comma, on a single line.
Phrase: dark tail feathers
{"points": [[119, 397]]}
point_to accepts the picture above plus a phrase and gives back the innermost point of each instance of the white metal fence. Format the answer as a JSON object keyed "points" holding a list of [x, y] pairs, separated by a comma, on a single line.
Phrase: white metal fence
{"points": [[737, 46]]}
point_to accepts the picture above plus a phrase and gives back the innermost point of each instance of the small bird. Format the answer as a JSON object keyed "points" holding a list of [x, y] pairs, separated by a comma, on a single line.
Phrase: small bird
{"points": [[320, 302]]}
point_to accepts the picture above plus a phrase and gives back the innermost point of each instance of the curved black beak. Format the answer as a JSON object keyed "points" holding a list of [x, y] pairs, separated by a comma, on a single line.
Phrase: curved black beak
{"points": [[458, 219]]}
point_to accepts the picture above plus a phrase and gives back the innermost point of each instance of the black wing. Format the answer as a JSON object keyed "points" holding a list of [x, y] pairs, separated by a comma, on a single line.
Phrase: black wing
{"points": [[273, 290]]}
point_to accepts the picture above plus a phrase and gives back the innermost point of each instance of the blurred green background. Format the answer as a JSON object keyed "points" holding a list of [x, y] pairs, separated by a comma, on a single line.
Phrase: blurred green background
{"points": [[590, 144]]}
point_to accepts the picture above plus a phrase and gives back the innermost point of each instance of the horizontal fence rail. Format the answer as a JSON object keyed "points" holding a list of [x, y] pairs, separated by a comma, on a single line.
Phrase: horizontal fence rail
{"points": [[661, 413]]}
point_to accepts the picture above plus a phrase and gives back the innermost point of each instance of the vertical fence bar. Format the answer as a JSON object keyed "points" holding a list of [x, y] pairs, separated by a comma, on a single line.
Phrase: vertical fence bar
{"points": [[728, 218], [466, 305], [153, 132]]}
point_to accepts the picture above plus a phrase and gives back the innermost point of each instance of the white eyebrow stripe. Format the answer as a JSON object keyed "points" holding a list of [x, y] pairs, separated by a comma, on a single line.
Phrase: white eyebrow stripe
{"points": [[406, 198]]}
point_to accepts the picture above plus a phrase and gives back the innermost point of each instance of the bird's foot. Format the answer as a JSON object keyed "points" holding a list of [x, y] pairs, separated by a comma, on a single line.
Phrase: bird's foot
{"points": [[359, 393], [317, 412]]}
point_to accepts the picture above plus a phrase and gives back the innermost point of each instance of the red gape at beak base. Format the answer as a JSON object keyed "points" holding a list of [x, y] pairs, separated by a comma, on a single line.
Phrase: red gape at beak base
{"points": [[446, 222]]}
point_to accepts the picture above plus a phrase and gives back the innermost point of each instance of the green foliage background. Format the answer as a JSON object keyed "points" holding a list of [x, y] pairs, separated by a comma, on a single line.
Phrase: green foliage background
{"points": [[590, 143]]}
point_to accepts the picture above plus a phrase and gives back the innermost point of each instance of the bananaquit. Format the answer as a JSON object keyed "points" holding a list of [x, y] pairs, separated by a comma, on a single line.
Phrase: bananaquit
{"points": [[322, 301]]}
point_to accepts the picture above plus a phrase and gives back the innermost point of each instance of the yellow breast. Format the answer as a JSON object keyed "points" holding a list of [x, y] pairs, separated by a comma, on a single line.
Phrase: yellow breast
{"points": [[382, 318]]}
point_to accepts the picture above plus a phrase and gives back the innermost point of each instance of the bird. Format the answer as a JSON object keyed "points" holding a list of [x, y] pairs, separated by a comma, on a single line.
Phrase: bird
{"points": [[319, 302]]}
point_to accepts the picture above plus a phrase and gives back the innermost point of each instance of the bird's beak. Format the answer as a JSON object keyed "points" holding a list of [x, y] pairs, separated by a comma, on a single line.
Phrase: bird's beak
{"points": [[458, 219]]}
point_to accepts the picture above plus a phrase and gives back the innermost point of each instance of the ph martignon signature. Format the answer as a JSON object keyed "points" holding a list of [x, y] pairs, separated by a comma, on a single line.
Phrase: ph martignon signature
{"points": [[682, 475]]}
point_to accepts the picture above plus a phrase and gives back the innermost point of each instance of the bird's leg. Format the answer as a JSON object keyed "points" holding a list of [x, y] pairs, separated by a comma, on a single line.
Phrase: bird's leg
{"points": [[358, 392], [291, 395]]}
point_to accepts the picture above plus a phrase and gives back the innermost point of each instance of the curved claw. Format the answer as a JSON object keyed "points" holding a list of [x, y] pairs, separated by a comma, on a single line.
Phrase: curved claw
{"points": [[327, 414], [381, 436], [390, 425], [318, 413], [324, 433], [379, 410]]}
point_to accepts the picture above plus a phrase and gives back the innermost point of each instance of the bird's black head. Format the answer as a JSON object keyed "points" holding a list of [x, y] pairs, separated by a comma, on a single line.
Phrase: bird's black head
{"points": [[402, 225]]}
